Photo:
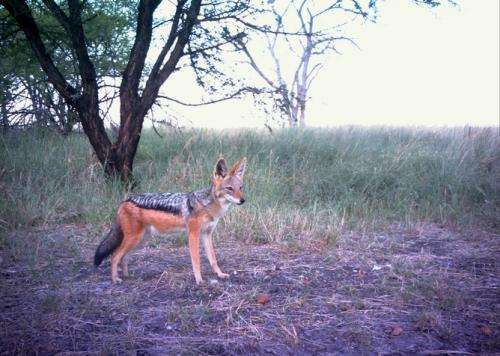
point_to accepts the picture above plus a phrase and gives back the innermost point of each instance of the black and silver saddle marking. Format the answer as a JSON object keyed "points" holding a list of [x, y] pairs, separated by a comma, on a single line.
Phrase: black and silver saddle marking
{"points": [[174, 203], [167, 202]]}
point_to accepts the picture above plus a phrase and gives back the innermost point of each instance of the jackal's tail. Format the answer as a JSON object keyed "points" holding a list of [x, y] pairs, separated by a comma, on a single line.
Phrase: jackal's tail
{"points": [[110, 243]]}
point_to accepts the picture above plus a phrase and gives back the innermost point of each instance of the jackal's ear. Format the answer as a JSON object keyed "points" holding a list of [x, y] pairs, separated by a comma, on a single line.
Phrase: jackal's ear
{"points": [[238, 170], [220, 170]]}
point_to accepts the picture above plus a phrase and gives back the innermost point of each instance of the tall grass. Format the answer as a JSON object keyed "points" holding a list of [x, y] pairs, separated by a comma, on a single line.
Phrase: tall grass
{"points": [[299, 183]]}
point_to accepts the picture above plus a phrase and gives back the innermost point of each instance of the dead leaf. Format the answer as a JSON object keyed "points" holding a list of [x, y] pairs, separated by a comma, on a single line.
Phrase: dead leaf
{"points": [[263, 299], [396, 330], [486, 330]]}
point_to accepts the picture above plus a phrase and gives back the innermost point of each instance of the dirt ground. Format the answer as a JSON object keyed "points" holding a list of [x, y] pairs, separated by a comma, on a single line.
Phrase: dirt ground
{"points": [[428, 290]]}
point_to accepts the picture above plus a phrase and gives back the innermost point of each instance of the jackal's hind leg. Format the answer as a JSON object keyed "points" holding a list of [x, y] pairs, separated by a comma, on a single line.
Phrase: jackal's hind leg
{"points": [[115, 259], [129, 242], [124, 264]]}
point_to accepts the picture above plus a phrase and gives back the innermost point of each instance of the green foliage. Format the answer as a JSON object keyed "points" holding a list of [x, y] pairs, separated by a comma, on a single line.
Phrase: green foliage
{"points": [[299, 183], [107, 27]]}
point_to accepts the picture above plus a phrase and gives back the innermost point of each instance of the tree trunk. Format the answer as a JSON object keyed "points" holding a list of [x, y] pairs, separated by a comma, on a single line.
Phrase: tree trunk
{"points": [[35, 108], [301, 105], [3, 113], [71, 118], [302, 82], [293, 111], [93, 127], [117, 159]]}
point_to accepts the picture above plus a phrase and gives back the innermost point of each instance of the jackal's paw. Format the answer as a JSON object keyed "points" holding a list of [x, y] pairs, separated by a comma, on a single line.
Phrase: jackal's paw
{"points": [[222, 275], [200, 282], [117, 280]]}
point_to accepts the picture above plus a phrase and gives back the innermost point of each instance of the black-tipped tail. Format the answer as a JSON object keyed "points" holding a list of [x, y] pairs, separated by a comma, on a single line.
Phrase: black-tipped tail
{"points": [[110, 243]]}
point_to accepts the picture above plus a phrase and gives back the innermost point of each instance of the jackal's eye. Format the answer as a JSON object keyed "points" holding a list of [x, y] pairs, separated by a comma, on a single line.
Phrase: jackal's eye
{"points": [[229, 189]]}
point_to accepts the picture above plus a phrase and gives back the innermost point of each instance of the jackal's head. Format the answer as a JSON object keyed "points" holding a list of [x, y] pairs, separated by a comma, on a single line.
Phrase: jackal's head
{"points": [[228, 184]]}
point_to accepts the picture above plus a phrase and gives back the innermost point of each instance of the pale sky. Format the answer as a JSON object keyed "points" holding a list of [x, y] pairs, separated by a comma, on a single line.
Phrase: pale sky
{"points": [[415, 66]]}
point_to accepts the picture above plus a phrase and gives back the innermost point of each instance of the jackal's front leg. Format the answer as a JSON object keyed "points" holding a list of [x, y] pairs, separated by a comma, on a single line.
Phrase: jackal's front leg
{"points": [[210, 252], [194, 229]]}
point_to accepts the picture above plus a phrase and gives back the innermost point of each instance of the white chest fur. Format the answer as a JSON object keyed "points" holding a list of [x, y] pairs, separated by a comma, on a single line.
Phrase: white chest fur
{"points": [[208, 227]]}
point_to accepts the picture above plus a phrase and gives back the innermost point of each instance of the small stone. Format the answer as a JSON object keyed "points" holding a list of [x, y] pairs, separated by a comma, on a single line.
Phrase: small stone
{"points": [[486, 330], [396, 330], [263, 299]]}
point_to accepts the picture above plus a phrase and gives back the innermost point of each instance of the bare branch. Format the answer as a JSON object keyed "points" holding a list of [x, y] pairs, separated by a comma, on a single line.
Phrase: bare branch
{"points": [[174, 28], [312, 74], [228, 97], [133, 70], [240, 45], [153, 84]]}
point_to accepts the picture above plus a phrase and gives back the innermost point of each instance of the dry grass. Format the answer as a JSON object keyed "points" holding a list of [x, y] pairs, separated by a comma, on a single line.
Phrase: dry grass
{"points": [[428, 289]]}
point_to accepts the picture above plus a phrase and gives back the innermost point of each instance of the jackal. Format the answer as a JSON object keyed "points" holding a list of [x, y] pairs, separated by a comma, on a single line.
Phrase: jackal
{"points": [[196, 212]]}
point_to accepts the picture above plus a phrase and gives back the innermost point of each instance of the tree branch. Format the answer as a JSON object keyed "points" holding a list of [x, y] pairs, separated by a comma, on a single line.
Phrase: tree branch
{"points": [[22, 14], [229, 97], [170, 40], [132, 73], [154, 83], [240, 45]]}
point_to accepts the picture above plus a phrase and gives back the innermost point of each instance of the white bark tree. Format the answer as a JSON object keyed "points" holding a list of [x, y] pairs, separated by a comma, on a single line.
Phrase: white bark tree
{"points": [[302, 36]]}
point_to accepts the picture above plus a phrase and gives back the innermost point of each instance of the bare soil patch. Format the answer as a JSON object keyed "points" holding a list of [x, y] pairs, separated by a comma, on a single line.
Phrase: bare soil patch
{"points": [[428, 290]]}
